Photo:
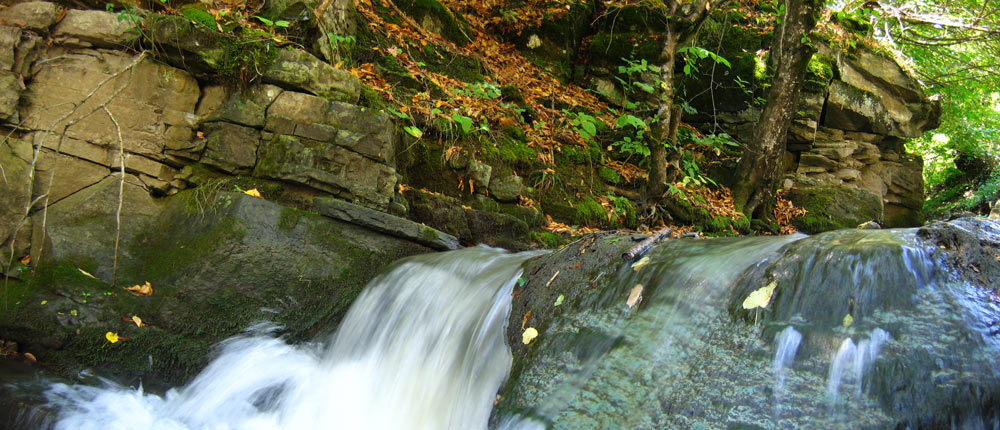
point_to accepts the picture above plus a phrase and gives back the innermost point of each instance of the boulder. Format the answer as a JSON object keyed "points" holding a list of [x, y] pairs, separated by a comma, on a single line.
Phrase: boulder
{"points": [[93, 29], [480, 173], [218, 263], [10, 96], [832, 208], [472, 226], [506, 188], [330, 168], [32, 15]]}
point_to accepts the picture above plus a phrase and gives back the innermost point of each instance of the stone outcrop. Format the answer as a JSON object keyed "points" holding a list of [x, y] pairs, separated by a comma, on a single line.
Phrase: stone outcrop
{"points": [[849, 133]]}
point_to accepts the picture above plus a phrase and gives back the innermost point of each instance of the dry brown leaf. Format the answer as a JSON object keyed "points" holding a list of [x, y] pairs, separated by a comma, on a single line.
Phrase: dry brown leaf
{"points": [[141, 290]]}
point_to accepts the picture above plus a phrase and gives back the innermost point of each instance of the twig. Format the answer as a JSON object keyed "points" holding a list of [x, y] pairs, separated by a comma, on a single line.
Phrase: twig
{"points": [[41, 144], [644, 246], [121, 195]]}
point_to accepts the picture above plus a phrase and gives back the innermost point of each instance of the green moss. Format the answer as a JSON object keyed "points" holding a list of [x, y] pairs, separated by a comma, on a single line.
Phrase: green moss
{"points": [[819, 72], [610, 176], [453, 26], [429, 234], [515, 152], [548, 239], [590, 213]]}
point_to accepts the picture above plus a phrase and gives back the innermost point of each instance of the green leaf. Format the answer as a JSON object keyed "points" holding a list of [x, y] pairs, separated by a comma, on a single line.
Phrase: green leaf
{"points": [[282, 24], [266, 21], [463, 121], [413, 131], [398, 114]]}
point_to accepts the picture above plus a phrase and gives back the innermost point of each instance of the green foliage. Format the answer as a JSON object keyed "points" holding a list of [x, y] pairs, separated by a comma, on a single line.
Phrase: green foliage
{"points": [[342, 45], [692, 54]]}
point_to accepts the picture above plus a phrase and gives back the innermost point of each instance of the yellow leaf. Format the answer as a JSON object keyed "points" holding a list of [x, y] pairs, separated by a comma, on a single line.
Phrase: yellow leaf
{"points": [[640, 264], [137, 321], [111, 337], [529, 335], [761, 297], [30, 357], [634, 296], [44, 302], [141, 290], [848, 320], [85, 273], [559, 300], [253, 193]]}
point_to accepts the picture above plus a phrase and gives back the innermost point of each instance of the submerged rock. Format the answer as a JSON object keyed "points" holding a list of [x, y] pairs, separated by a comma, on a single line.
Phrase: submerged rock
{"points": [[864, 329]]}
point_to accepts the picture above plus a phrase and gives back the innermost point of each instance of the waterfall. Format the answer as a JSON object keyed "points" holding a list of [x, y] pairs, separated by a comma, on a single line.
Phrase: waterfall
{"points": [[422, 348]]}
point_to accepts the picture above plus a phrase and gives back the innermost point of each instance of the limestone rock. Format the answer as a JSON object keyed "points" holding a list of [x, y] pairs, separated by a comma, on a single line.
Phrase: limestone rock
{"points": [[301, 70], [326, 167], [506, 188], [68, 175], [10, 96], [35, 15], [157, 96], [230, 147], [247, 107], [92, 28], [82, 228], [355, 128], [854, 109], [14, 192], [10, 37], [832, 208], [385, 223]]}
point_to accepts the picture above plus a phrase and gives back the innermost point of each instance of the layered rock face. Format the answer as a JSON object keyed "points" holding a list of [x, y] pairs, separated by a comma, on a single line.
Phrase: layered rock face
{"points": [[848, 135], [76, 106]]}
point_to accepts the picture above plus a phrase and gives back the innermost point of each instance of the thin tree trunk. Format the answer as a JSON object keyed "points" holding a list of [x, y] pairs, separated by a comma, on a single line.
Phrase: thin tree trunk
{"points": [[662, 132], [762, 163]]}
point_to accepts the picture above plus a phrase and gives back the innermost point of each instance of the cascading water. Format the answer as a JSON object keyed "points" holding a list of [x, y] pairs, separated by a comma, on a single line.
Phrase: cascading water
{"points": [[864, 330], [422, 348]]}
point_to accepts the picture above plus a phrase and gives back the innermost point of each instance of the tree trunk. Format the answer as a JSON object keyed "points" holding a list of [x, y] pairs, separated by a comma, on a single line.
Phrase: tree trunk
{"points": [[661, 129], [762, 163]]}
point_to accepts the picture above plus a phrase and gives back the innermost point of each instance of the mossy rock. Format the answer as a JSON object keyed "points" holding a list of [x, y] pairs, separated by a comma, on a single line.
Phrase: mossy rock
{"points": [[682, 208], [831, 208], [437, 18], [214, 273]]}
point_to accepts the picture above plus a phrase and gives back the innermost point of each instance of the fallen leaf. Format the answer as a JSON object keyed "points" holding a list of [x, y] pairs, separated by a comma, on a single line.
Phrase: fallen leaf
{"points": [[634, 296], [111, 337], [30, 357], [26, 259], [253, 193], [524, 321], [141, 290], [200, 135], [761, 297], [559, 300], [640, 264], [85, 273], [529, 335], [848, 320], [138, 321], [44, 302]]}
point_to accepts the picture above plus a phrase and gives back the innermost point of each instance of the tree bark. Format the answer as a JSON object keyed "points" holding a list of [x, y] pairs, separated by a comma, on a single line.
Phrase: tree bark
{"points": [[660, 129], [762, 164]]}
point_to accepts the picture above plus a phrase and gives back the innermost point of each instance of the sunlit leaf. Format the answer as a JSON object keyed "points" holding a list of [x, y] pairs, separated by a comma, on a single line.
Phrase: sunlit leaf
{"points": [[85, 273], [413, 131], [45, 302], [138, 321], [253, 193], [559, 300], [111, 337], [640, 264], [760, 297], [529, 335], [848, 320], [634, 296], [141, 290]]}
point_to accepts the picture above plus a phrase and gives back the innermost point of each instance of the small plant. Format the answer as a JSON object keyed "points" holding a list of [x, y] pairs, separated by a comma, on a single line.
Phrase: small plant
{"points": [[342, 45]]}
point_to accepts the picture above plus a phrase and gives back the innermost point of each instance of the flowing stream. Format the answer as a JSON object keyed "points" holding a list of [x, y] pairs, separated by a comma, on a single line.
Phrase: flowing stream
{"points": [[422, 348], [864, 330]]}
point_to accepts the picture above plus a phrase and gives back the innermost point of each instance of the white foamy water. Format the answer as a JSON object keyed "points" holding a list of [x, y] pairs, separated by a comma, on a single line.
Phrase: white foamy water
{"points": [[422, 348], [851, 362]]}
